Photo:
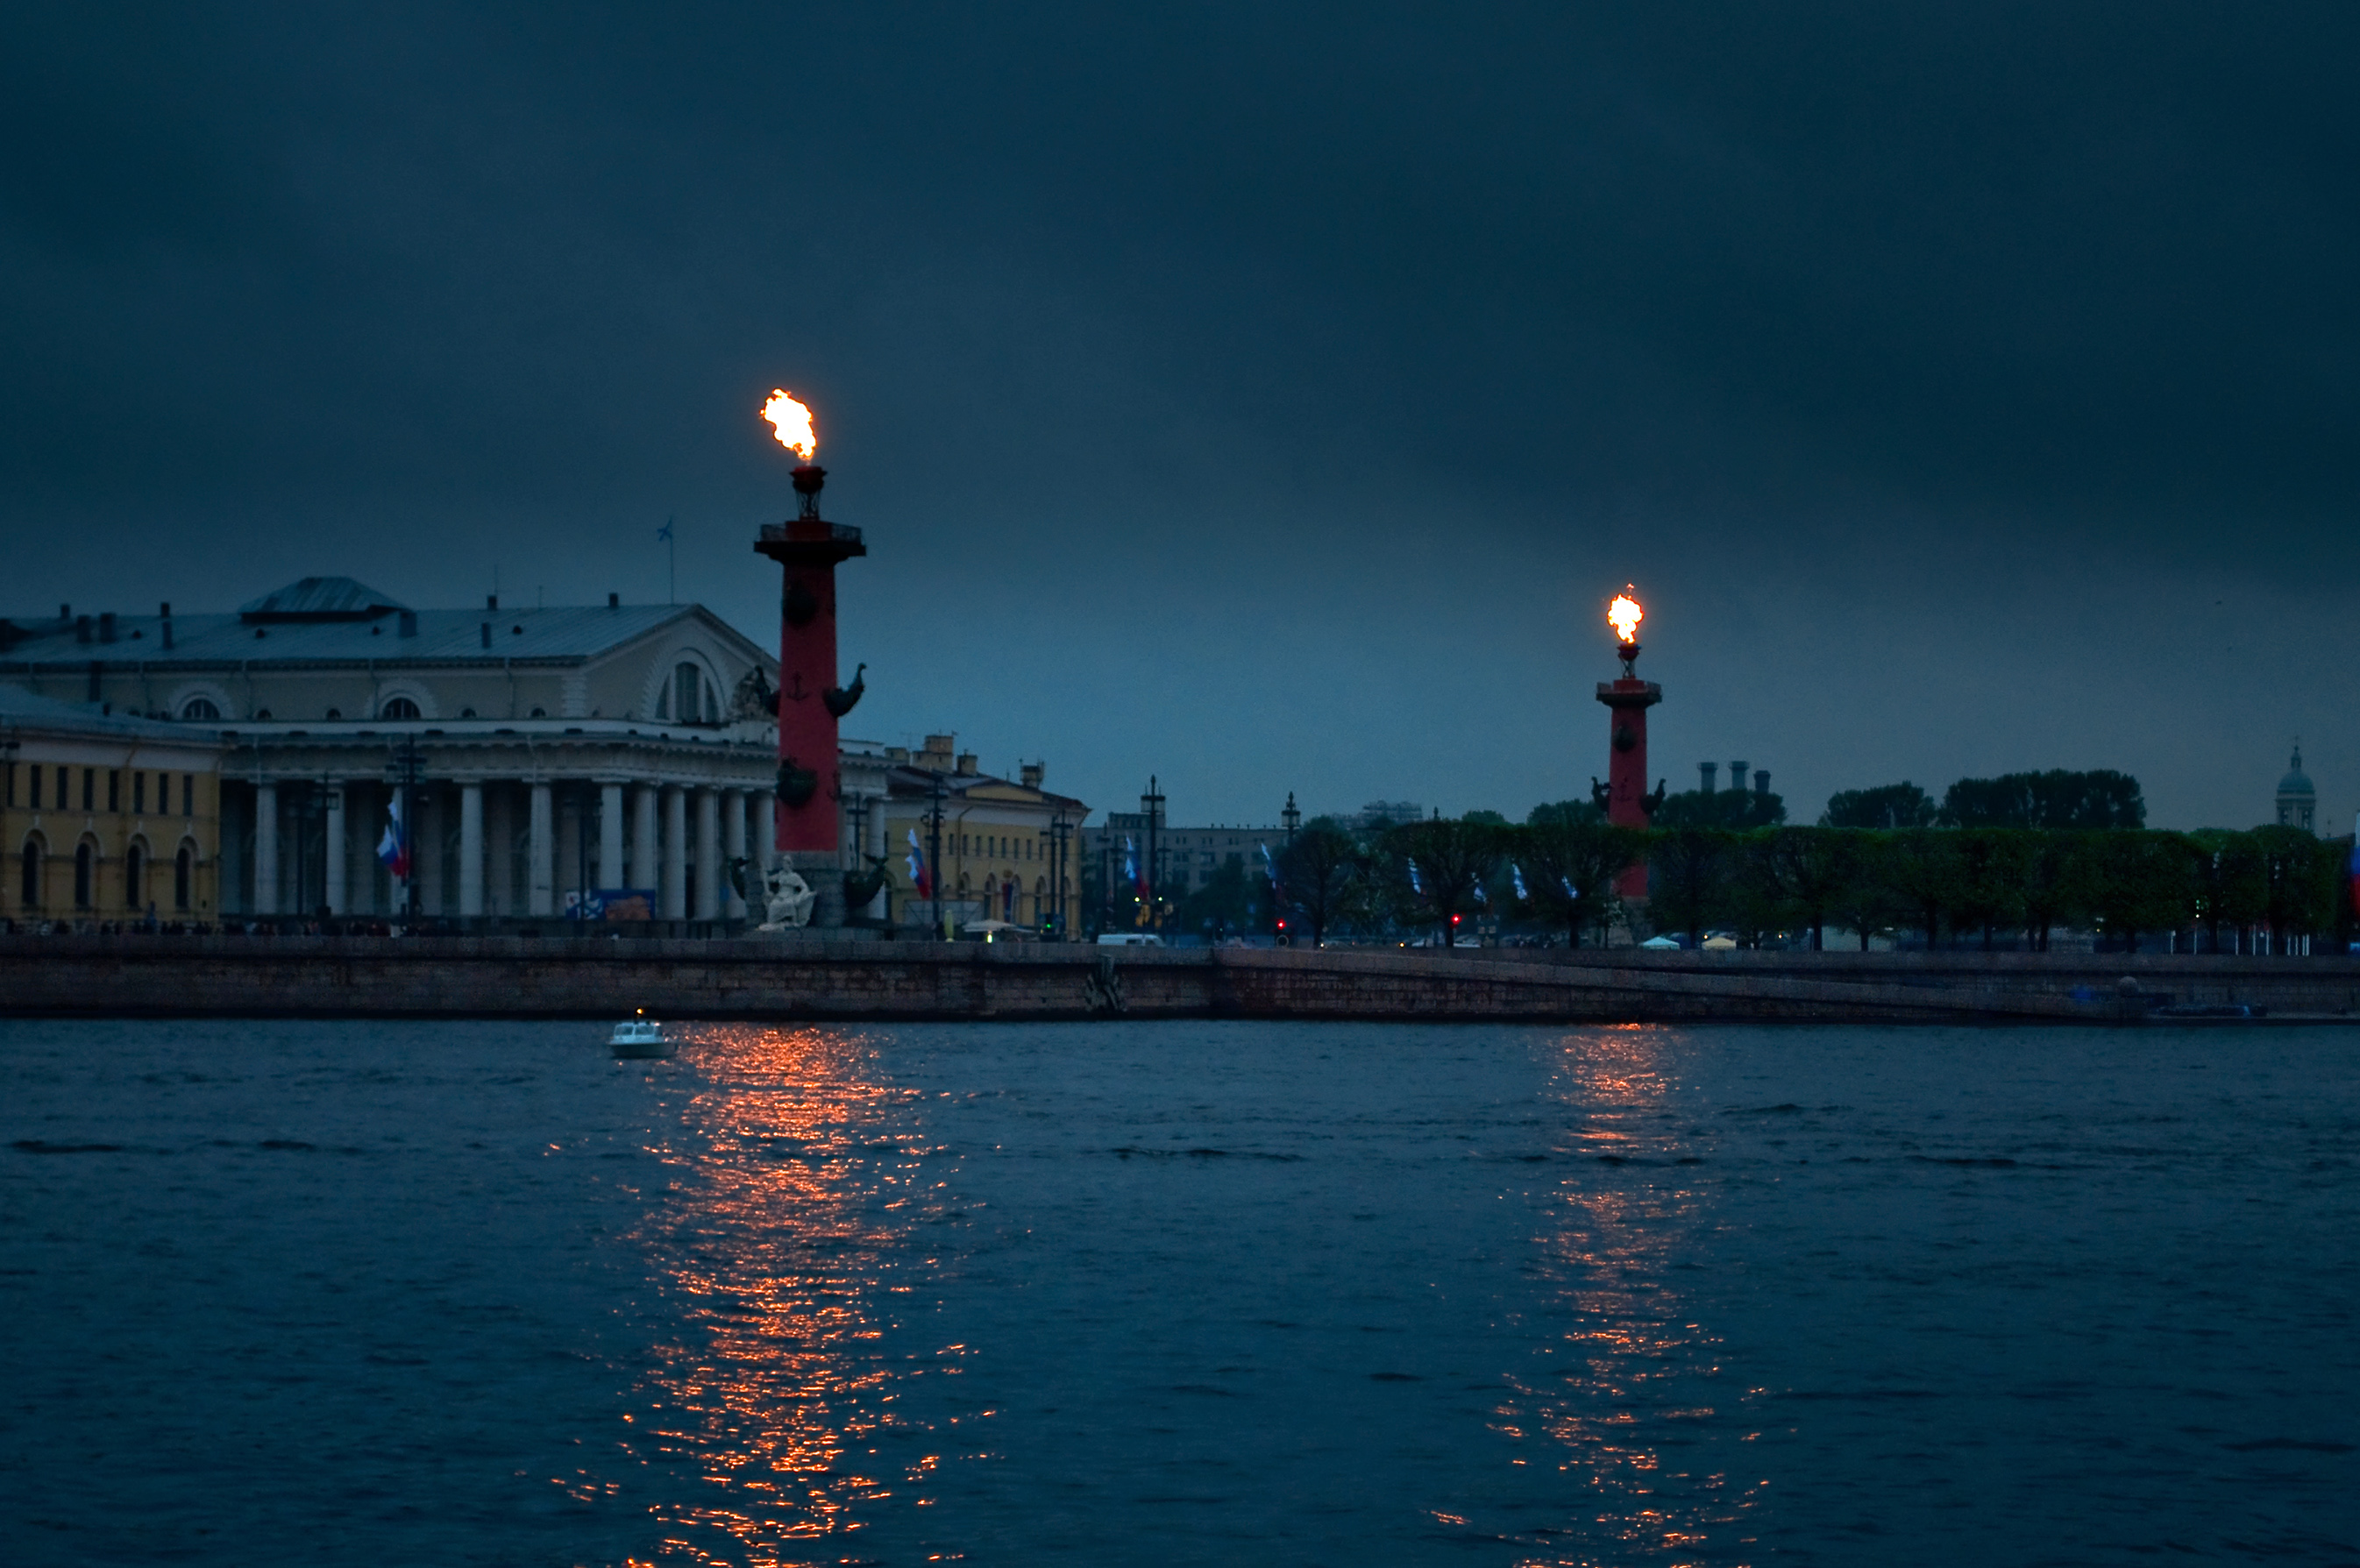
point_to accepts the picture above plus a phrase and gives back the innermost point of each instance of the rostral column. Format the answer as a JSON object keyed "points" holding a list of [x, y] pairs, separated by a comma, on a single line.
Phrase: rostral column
{"points": [[1627, 701], [810, 835]]}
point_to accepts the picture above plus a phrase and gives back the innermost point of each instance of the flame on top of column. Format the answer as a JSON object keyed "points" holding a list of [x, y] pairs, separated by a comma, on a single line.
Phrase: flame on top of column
{"points": [[793, 423], [1624, 615]]}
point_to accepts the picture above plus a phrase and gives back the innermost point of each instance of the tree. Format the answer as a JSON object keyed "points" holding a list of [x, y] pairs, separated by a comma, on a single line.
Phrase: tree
{"points": [[2101, 798], [2231, 881], [1990, 894], [1451, 857], [1570, 857], [1225, 904], [1865, 899], [1923, 870], [1736, 809], [1810, 868], [1902, 805], [1687, 878], [2137, 881], [2051, 884], [2303, 876], [1317, 873]]}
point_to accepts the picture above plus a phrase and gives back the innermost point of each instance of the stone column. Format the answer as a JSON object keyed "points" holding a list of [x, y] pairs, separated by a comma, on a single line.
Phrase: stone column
{"points": [[610, 836], [672, 900], [710, 874], [426, 854], [266, 848], [643, 837], [471, 850], [338, 843], [499, 850], [733, 848], [360, 849], [541, 901]]}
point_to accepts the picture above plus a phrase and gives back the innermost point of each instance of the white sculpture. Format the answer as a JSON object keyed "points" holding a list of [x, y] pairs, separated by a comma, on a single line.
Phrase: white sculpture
{"points": [[787, 899]]}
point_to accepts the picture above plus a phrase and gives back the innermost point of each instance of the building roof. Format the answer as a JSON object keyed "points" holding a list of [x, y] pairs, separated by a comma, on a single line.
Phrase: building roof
{"points": [[561, 634], [2295, 782], [903, 782], [320, 599], [20, 708]]}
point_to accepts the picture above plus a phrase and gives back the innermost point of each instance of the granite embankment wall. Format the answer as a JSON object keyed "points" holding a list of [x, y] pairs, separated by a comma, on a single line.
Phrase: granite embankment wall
{"points": [[845, 980]]}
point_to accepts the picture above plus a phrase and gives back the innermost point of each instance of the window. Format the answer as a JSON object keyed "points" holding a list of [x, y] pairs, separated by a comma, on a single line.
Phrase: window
{"points": [[687, 687], [134, 878], [85, 865], [11, 768], [399, 708], [336, 712], [88, 789], [188, 794], [184, 866], [34, 773], [139, 794], [28, 891], [115, 789], [200, 708]]}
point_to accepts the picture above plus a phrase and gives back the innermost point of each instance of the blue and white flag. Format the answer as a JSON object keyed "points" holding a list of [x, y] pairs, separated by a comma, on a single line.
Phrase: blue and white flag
{"points": [[1269, 865], [1517, 873], [1566, 883], [1482, 897], [1416, 886]]}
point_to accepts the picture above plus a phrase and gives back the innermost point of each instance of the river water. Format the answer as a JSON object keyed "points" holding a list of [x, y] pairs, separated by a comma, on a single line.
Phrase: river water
{"points": [[1166, 1293]]}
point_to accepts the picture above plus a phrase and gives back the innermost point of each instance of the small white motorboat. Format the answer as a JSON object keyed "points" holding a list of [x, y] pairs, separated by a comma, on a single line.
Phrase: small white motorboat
{"points": [[640, 1038]]}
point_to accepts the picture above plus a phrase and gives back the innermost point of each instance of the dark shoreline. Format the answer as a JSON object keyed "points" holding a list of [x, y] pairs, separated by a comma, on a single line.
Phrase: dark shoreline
{"points": [[819, 979]]}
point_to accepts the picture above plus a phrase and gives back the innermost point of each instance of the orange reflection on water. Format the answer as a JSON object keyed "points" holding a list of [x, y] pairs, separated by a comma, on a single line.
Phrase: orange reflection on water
{"points": [[789, 1197], [1633, 1365]]}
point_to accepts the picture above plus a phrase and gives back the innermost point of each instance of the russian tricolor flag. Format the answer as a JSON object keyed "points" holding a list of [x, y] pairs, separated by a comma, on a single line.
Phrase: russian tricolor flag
{"points": [[394, 847], [920, 877]]}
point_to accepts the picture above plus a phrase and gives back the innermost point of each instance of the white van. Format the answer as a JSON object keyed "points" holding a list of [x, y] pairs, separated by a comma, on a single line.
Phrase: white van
{"points": [[1129, 938]]}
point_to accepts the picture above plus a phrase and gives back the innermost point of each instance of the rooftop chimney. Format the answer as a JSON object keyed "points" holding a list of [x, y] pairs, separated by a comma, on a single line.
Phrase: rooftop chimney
{"points": [[614, 601], [408, 626], [1031, 774], [491, 601], [106, 626], [488, 634], [1737, 776], [65, 611], [1712, 772], [1761, 781], [82, 628], [165, 610], [967, 763]]}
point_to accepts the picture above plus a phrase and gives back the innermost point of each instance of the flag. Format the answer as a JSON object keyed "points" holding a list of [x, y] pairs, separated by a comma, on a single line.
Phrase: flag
{"points": [[2355, 872], [1482, 897], [1130, 865], [665, 532], [394, 847], [920, 877], [1518, 872], [1566, 883], [1269, 865], [1416, 886]]}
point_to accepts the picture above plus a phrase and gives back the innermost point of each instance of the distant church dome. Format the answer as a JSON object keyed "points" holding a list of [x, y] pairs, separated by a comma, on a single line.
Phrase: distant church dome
{"points": [[2297, 798]]}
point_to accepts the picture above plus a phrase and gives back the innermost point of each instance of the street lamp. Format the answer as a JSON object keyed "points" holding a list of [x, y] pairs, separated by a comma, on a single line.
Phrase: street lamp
{"points": [[1151, 808]]}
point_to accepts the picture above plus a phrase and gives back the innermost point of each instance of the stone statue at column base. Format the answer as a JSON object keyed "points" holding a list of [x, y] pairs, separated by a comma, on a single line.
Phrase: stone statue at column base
{"points": [[787, 900]]}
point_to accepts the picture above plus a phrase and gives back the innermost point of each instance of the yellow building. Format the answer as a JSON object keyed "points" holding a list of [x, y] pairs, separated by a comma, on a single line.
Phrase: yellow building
{"points": [[1000, 857], [106, 818]]}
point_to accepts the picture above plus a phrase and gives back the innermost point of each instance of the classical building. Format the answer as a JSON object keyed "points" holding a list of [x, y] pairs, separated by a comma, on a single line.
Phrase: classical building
{"points": [[557, 753], [106, 816], [1011, 849], [2298, 802]]}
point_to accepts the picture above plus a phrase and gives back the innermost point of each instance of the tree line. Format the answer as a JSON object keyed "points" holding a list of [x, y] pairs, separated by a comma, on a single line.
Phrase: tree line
{"points": [[1975, 886]]}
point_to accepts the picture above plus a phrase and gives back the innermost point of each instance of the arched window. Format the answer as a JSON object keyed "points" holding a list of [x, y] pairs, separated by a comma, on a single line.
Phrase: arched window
{"points": [[134, 878], [399, 708], [184, 873], [687, 693], [85, 869], [28, 891], [200, 708]]}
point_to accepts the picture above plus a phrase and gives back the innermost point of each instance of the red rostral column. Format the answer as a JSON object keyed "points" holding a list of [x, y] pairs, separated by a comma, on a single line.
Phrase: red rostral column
{"points": [[810, 833], [1627, 701]]}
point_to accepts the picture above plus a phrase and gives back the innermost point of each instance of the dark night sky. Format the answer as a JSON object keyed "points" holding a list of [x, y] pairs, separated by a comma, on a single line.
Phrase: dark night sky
{"points": [[1264, 396]]}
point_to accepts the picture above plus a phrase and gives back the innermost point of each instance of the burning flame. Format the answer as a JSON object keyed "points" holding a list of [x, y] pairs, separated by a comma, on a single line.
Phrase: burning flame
{"points": [[793, 423], [1624, 615]]}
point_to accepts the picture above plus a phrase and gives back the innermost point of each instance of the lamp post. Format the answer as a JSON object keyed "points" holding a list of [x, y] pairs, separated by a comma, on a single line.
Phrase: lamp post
{"points": [[1060, 834], [1151, 808], [934, 843]]}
